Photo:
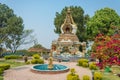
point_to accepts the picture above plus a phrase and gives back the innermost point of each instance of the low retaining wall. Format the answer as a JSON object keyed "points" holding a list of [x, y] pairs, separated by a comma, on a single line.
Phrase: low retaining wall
{"points": [[49, 72]]}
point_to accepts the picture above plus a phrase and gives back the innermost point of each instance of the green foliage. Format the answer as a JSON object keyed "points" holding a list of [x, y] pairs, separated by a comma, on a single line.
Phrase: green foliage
{"points": [[37, 46], [110, 76], [12, 63], [103, 22], [36, 56], [93, 66], [37, 61], [13, 57], [107, 69], [5, 14], [107, 50], [12, 33], [28, 62], [16, 28], [85, 64], [72, 71], [86, 77], [81, 61], [1, 71], [26, 52], [1, 78], [97, 76], [79, 18], [72, 75], [5, 66], [12, 27]]}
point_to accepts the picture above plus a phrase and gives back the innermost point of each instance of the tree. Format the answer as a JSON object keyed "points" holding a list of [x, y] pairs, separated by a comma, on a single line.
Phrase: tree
{"points": [[12, 32], [107, 50], [14, 41], [5, 14], [103, 22], [79, 18], [37, 46]]}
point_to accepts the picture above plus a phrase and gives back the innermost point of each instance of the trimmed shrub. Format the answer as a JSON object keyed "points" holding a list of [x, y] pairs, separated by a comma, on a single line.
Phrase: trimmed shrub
{"points": [[37, 61], [97, 76], [81, 61], [1, 71], [13, 57], [92, 66], [85, 64], [28, 62], [86, 77], [72, 75], [5, 66], [72, 71], [36, 56]]}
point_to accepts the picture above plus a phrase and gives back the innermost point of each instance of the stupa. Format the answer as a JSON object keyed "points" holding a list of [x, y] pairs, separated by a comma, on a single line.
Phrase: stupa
{"points": [[68, 41]]}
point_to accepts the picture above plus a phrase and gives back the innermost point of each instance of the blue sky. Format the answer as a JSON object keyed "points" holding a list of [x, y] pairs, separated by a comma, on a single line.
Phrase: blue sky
{"points": [[39, 14]]}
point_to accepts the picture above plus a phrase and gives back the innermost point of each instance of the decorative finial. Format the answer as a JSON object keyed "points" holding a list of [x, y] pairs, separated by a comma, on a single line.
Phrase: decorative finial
{"points": [[68, 10]]}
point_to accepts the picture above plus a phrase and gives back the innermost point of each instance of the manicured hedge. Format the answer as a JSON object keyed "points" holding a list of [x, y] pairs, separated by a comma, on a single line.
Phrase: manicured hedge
{"points": [[72, 75], [5, 66], [1, 71], [37, 61], [93, 66], [83, 62], [86, 77], [13, 57], [36, 56], [97, 76]]}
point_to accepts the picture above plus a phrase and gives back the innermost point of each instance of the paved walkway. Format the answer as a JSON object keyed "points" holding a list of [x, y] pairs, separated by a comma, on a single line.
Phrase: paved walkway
{"points": [[24, 73]]}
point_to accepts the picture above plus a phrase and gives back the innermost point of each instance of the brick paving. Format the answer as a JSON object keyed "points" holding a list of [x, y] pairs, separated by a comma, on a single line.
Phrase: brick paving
{"points": [[24, 73]]}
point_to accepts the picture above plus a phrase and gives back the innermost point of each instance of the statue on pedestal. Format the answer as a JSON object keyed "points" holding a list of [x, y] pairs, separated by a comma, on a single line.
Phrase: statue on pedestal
{"points": [[50, 62]]}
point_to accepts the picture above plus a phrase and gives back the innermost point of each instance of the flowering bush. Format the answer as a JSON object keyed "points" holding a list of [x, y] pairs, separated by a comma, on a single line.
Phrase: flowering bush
{"points": [[107, 50]]}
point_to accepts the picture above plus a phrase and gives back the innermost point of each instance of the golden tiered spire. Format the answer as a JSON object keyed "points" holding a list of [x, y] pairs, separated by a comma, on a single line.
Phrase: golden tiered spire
{"points": [[68, 26], [68, 19]]}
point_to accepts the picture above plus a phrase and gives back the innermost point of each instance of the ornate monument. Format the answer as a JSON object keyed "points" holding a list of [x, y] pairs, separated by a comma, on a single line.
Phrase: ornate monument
{"points": [[68, 41]]}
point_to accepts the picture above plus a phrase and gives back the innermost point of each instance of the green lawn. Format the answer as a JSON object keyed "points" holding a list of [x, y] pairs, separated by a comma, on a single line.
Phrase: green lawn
{"points": [[12, 63], [111, 76], [1, 77]]}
